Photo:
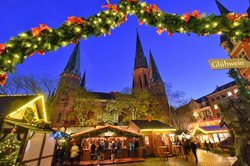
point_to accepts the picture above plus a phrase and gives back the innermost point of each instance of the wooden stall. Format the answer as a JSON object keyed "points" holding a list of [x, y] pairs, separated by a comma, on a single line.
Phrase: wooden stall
{"points": [[156, 135], [108, 134], [23, 124]]}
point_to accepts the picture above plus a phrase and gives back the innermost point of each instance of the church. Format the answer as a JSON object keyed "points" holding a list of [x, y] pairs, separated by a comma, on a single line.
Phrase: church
{"points": [[145, 77]]}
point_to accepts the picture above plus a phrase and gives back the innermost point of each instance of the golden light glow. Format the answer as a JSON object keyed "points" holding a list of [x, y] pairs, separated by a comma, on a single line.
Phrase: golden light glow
{"points": [[158, 130], [29, 103], [208, 132]]}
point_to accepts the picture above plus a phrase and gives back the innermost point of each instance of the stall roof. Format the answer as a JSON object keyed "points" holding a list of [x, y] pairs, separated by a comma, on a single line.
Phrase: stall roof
{"points": [[209, 129], [11, 104], [102, 129], [151, 125]]}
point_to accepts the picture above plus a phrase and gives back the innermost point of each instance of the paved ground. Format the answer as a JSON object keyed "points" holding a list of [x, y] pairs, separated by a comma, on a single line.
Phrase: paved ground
{"points": [[204, 159]]}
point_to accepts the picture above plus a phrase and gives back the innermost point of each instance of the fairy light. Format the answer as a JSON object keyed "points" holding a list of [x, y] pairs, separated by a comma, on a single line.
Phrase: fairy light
{"points": [[219, 33], [24, 35], [39, 39], [16, 56], [64, 43], [207, 25], [215, 24], [142, 11], [159, 14], [28, 44], [236, 23], [78, 29]]}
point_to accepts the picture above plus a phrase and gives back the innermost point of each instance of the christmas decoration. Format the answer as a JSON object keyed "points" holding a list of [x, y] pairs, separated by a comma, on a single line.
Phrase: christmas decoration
{"points": [[9, 149], [43, 39], [3, 78], [2, 48]]}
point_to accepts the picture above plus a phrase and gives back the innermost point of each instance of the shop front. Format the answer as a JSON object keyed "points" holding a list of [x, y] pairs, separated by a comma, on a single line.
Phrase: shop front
{"points": [[107, 135], [157, 135], [210, 134]]}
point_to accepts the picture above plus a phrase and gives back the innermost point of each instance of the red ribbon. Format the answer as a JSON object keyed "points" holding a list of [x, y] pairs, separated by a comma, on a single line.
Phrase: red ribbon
{"points": [[3, 78], [151, 8], [245, 42], [37, 30], [186, 17], [2, 48], [196, 14], [159, 31], [112, 7], [131, 1], [77, 20]]}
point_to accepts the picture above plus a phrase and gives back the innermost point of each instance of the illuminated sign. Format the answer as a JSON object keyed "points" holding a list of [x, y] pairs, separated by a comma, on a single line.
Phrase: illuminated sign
{"points": [[218, 64]]}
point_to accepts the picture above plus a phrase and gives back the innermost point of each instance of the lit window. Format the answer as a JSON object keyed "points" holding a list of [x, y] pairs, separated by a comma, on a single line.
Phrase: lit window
{"points": [[236, 91], [229, 93], [216, 106], [146, 140]]}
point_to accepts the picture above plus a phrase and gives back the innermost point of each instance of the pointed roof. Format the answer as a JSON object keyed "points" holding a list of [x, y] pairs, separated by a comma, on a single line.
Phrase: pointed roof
{"points": [[222, 9], [225, 38], [140, 59], [73, 65], [248, 12], [83, 81], [154, 73]]}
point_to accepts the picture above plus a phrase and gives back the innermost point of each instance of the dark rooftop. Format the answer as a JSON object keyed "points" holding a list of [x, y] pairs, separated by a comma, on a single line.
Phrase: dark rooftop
{"points": [[102, 95], [154, 124], [220, 88], [11, 103], [213, 128]]}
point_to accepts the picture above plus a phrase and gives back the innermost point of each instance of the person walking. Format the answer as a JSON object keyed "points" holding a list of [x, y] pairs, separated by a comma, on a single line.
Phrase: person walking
{"points": [[131, 148], [113, 151], [193, 147], [136, 141], [74, 154], [207, 147], [92, 151], [186, 149], [98, 153], [119, 149]]}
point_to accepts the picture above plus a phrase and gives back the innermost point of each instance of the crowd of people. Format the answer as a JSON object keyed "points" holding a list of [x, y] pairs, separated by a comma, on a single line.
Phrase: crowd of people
{"points": [[188, 147], [100, 149]]}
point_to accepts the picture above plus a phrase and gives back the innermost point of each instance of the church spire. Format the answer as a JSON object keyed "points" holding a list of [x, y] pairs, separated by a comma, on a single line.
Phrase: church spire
{"points": [[222, 9], [140, 59], [73, 65], [154, 73], [83, 81], [224, 39]]}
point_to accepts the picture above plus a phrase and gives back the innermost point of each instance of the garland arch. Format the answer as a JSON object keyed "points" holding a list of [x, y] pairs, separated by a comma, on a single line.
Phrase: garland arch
{"points": [[44, 39]]}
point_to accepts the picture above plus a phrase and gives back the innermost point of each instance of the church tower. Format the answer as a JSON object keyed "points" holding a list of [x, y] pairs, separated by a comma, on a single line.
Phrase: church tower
{"points": [[225, 41], [64, 98], [141, 71], [157, 87]]}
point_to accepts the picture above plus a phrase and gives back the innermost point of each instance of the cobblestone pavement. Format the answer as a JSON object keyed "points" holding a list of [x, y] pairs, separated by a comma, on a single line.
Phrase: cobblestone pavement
{"points": [[204, 159]]}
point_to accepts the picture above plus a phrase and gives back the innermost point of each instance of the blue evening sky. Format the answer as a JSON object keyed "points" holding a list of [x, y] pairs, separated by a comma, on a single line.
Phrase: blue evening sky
{"points": [[182, 60]]}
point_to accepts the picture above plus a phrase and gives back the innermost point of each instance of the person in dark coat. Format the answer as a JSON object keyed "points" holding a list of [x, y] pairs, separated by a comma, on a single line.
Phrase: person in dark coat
{"points": [[193, 147], [92, 151], [186, 149]]}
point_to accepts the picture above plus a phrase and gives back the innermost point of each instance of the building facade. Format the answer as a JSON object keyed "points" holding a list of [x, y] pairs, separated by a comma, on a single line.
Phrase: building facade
{"points": [[240, 49], [202, 116], [144, 78]]}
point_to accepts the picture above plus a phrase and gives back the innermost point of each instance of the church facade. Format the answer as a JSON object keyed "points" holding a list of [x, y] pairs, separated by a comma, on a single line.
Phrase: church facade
{"points": [[144, 78]]}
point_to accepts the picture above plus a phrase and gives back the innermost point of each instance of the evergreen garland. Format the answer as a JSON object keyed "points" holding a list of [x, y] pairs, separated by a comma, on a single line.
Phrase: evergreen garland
{"points": [[43, 38]]}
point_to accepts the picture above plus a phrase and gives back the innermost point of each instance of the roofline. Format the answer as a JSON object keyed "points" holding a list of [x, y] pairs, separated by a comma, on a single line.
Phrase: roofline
{"points": [[208, 132], [103, 127]]}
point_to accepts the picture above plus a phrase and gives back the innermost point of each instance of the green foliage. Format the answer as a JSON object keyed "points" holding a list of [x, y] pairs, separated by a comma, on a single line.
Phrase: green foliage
{"points": [[88, 109], [140, 105], [242, 84], [17, 48], [9, 149]]}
